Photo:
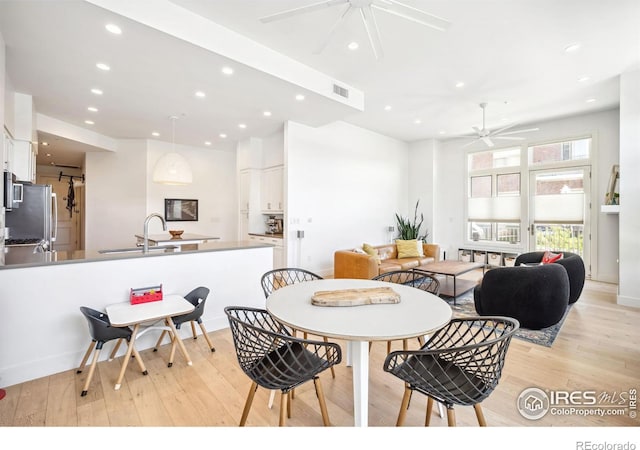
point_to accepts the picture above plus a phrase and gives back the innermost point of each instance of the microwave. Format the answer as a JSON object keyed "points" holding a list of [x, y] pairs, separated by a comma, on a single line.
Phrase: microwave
{"points": [[13, 193]]}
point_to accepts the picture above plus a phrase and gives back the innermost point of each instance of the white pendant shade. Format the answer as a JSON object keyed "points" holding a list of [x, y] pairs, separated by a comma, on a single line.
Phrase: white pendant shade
{"points": [[172, 168]]}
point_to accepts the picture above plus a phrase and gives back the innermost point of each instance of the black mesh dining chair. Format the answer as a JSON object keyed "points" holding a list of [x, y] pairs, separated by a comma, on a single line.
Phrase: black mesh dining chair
{"points": [[414, 278], [277, 278], [275, 360], [461, 364], [197, 297], [101, 332]]}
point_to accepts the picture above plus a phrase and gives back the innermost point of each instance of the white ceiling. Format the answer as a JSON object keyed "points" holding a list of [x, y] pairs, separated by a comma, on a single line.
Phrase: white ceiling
{"points": [[508, 53]]}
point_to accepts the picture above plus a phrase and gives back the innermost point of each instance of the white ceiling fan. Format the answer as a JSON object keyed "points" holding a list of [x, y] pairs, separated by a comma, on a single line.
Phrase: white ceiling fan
{"points": [[487, 136], [365, 8]]}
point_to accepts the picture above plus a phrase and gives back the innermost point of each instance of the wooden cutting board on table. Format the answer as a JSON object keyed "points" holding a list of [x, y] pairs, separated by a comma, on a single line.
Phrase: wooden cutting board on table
{"points": [[355, 297]]}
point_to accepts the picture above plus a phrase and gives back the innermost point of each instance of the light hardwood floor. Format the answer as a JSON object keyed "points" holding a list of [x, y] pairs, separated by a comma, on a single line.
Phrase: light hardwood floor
{"points": [[598, 349]]}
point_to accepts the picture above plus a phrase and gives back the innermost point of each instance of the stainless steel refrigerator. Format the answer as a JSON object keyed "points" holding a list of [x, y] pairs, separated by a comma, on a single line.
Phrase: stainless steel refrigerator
{"points": [[32, 225]]}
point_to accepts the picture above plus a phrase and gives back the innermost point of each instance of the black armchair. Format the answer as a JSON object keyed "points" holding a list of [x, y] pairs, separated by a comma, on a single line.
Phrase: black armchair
{"points": [[536, 296], [275, 360], [461, 364], [573, 264]]}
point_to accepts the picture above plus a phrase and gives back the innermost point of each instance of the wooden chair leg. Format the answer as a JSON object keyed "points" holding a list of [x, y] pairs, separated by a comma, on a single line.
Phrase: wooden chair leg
{"points": [[388, 347], [333, 373], [92, 345], [451, 417], [403, 406], [164, 332], [283, 408], [92, 369], [137, 357], [115, 349], [480, 415], [289, 405], [272, 396], [193, 330], [405, 345], [248, 402], [172, 354], [323, 403], [206, 337], [427, 419]]}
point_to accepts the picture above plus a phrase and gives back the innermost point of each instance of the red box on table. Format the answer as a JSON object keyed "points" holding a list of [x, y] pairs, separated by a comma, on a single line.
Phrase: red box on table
{"points": [[146, 295]]}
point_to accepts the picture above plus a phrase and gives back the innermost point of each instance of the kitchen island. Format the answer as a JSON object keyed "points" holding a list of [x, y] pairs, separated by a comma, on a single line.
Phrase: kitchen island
{"points": [[43, 331]]}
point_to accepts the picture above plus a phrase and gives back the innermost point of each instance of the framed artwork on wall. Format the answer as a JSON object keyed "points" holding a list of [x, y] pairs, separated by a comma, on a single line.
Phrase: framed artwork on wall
{"points": [[180, 210]]}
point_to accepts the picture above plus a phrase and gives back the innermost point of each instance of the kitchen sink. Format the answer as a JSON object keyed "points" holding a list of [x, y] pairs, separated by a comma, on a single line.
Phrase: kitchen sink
{"points": [[167, 249]]}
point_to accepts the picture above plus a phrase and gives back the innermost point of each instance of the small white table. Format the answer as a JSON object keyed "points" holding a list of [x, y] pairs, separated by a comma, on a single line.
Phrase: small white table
{"points": [[418, 313], [125, 314]]}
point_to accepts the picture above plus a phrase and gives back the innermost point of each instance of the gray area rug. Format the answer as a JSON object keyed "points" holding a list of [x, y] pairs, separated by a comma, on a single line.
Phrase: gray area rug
{"points": [[464, 307]]}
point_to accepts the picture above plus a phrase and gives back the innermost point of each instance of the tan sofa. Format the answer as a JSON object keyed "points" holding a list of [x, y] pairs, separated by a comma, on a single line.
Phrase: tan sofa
{"points": [[350, 264]]}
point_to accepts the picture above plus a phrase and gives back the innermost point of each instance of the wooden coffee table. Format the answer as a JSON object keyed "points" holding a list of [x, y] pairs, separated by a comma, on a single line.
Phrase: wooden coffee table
{"points": [[451, 287]]}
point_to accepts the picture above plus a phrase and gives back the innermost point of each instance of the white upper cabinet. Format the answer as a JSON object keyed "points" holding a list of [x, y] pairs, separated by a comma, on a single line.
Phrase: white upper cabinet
{"points": [[272, 190]]}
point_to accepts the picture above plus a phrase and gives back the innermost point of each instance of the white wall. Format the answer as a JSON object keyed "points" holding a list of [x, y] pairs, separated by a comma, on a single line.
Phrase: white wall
{"points": [[214, 186], [449, 199], [344, 185], [273, 150], [629, 286], [422, 182], [115, 195]]}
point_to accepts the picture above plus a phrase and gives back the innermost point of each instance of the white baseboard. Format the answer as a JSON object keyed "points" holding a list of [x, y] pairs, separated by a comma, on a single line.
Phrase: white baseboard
{"points": [[628, 301]]}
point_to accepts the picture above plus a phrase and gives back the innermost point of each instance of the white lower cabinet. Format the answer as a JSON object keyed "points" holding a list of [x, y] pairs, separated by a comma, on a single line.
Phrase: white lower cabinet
{"points": [[279, 259]]}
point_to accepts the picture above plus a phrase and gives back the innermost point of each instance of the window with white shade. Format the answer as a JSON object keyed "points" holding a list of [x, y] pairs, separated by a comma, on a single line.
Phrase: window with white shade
{"points": [[493, 206]]}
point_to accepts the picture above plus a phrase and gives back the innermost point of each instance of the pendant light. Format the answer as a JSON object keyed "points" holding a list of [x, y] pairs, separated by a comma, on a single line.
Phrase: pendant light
{"points": [[172, 168]]}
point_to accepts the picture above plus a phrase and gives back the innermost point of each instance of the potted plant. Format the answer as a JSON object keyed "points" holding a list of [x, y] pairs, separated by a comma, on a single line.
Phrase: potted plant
{"points": [[411, 229]]}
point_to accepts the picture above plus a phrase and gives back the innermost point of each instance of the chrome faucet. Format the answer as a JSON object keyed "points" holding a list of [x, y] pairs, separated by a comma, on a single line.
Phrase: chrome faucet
{"points": [[145, 248]]}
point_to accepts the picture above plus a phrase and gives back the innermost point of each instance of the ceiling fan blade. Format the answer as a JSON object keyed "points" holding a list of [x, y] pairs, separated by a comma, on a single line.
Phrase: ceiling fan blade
{"points": [[500, 130], [326, 40], [302, 10], [508, 138], [404, 16], [521, 131], [372, 30], [487, 141], [437, 22]]}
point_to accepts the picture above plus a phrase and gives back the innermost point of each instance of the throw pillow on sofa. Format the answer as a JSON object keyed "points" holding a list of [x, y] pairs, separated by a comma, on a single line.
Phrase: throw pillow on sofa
{"points": [[370, 250], [409, 248], [550, 257]]}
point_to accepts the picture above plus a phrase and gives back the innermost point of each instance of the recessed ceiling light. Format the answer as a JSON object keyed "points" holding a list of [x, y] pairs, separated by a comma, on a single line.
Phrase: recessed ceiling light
{"points": [[299, 97], [155, 133], [591, 100], [353, 46], [112, 28], [207, 143], [227, 70], [387, 108], [45, 143], [267, 113], [48, 155], [583, 79], [96, 91], [442, 132], [222, 135], [200, 94], [571, 48], [103, 66], [417, 121], [459, 84], [89, 122], [92, 109], [242, 125]]}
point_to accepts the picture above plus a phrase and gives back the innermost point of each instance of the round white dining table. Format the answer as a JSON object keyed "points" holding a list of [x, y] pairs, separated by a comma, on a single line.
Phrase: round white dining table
{"points": [[417, 313]]}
